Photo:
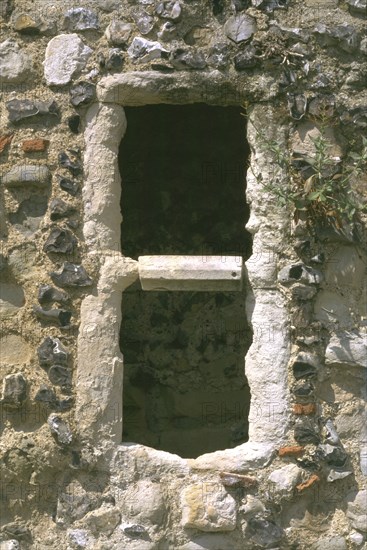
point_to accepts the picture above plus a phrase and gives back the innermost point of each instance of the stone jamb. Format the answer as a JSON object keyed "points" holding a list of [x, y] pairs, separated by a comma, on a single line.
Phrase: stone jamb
{"points": [[100, 362]]}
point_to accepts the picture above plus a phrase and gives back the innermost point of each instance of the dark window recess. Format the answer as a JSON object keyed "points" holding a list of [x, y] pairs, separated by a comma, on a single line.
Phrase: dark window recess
{"points": [[183, 171], [185, 389]]}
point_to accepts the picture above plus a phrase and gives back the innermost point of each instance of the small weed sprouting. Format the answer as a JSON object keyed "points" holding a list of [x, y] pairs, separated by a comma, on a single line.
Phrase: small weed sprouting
{"points": [[319, 188]]}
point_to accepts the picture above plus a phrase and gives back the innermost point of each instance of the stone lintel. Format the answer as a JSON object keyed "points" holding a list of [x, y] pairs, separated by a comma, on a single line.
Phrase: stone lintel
{"points": [[149, 87], [195, 273]]}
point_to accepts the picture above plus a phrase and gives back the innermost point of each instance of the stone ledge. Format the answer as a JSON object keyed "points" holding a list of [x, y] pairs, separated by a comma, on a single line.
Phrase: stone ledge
{"points": [[195, 273]]}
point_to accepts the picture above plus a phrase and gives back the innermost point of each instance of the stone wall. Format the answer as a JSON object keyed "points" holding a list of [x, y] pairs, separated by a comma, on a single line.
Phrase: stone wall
{"points": [[66, 72]]}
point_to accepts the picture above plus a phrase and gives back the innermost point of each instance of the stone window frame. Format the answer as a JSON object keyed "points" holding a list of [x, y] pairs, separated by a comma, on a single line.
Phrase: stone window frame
{"points": [[99, 377]]}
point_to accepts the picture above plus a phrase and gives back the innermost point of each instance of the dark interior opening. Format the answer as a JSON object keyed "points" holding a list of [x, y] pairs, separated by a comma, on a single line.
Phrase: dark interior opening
{"points": [[185, 390], [183, 170]]}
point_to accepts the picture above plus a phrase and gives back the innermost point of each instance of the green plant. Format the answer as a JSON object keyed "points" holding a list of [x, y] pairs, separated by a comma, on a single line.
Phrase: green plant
{"points": [[319, 186]]}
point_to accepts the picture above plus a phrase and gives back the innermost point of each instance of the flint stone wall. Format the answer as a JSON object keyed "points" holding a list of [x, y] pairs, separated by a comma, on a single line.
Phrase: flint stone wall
{"points": [[66, 72]]}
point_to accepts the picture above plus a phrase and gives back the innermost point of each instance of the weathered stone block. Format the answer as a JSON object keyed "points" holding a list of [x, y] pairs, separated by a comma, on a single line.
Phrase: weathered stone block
{"points": [[144, 501], [27, 174], [208, 507], [190, 272], [347, 348]]}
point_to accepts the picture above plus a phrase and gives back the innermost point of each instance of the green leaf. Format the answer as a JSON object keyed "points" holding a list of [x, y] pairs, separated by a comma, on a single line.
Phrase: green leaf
{"points": [[313, 196]]}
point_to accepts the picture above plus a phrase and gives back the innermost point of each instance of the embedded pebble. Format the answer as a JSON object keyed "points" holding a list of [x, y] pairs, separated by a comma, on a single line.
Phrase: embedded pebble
{"points": [[306, 365], [187, 59], [169, 10], [61, 241], [69, 186], [115, 60], [240, 27], [246, 59], [146, 50], [118, 33], [143, 21], [71, 275], [27, 24], [82, 93], [60, 209], [297, 104], [304, 434], [59, 316], [60, 428], [80, 19], [59, 375], [45, 394], [357, 6], [14, 390], [73, 165], [218, 56], [22, 109], [74, 123], [15, 64], [66, 55], [52, 352]]}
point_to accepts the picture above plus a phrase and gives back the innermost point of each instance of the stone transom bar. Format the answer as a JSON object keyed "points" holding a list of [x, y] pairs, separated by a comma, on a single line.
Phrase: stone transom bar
{"points": [[192, 273]]}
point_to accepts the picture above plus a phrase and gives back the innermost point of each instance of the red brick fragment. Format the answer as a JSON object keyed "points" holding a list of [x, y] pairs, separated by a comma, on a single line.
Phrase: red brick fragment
{"points": [[4, 141], [295, 450], [37, 145], [311, 480], [310, 408]]}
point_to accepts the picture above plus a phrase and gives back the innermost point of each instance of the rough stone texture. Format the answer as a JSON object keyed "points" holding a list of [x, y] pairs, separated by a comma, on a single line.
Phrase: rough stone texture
{"points": [[348, 349], [25, 109], [331, 543], [80, 19], [11, 299], [145, 50], [143, 501], [357, 511], [285, 479], [60, 428], [240, 27], [103, 520], [14, 390], [292, 76], [15, 64], [66, 55], [207, 508], [118, 32]]}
